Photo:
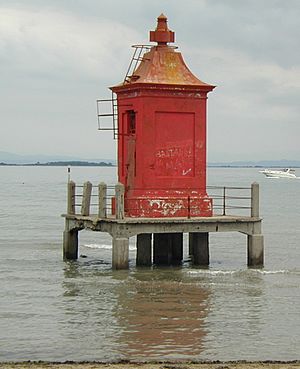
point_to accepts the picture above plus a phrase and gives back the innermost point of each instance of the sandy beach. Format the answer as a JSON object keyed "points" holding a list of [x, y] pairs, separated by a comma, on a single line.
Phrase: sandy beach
{"points": [[212, 365]]}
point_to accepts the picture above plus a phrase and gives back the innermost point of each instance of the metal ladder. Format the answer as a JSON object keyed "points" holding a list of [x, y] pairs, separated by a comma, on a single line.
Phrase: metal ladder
{"points": [[136, 58], [113, 114], [113, 102]]}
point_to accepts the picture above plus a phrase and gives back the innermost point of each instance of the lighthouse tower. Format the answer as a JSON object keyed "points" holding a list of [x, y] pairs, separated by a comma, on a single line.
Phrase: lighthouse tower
{"points": [[162, 134], [159, 118]]}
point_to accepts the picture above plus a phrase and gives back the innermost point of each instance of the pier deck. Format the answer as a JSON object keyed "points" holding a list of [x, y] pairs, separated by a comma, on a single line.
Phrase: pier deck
{"points": [[159, 240]]}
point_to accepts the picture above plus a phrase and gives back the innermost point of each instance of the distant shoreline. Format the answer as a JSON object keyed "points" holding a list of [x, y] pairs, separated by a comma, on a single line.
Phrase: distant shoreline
{"points": [[61, 164], [104, 164], [250, 166]]}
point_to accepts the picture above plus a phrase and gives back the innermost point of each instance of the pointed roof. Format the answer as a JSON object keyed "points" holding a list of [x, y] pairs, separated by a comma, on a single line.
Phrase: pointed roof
{"points": [[162, 65]]}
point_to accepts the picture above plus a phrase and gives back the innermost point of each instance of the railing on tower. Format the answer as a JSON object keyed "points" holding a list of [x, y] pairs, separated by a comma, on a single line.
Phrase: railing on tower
{"points": [[138, 56], [107, 109], [107, 113]]}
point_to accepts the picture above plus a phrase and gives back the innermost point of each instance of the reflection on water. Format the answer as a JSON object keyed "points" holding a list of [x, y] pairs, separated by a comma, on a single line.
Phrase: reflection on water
{"points": [[150, 314], [161, 318], [165, 313]]}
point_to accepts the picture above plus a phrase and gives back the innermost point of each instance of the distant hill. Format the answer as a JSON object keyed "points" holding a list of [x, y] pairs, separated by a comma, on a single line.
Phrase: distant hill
{"points": [[7, 158], [12, 158], [74, 163]]}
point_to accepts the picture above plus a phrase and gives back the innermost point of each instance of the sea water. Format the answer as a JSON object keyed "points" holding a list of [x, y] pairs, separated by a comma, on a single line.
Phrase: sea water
{"points": [[82, 310]]}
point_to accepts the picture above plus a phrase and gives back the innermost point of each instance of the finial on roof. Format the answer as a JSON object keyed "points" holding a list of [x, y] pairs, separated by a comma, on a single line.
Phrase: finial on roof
{"points": [[162, 35]]}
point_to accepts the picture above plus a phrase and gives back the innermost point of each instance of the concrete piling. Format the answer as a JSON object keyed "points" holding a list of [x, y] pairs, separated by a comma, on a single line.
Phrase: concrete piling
{"points": [[70, 243], [255, 250], [120, 252], [144, 249], [161, 249], [177, 248], [167, 248], [199, 248]]}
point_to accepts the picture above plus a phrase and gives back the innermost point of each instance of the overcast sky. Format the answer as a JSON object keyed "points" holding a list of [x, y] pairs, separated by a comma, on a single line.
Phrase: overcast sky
{"points": [[57, 57]]}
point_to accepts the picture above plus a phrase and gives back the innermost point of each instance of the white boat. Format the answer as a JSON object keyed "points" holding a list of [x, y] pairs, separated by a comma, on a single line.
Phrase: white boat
{"points": [[282, 173]]}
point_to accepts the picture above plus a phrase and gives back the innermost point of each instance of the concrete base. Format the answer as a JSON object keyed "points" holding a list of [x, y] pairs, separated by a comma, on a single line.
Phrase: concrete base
{"points": [[199, 248], [120, 253], [168, 248], [256, 250], [144, 249], [167, 245], [70, 245]]}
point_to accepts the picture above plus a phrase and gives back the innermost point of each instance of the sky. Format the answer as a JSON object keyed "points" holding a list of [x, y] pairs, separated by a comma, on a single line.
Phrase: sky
{"points": [[58, 57]]}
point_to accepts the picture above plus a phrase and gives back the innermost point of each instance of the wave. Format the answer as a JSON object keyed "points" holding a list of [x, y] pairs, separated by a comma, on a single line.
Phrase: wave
{"points": [[241, 271], [104, 246], [211, 272], [280, 271]]}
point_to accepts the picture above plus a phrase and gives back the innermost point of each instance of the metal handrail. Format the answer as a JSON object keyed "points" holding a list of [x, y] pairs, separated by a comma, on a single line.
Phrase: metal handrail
{"points": [[223, 202]]}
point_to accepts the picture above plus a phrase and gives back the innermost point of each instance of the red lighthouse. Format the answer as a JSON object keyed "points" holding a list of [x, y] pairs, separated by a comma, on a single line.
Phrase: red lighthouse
{"points": [[162, 134]]}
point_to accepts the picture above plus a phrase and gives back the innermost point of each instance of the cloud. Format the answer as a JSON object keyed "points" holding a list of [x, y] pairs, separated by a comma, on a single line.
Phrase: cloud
{"points": [[45, 42], [254, 109], [57, 57]]}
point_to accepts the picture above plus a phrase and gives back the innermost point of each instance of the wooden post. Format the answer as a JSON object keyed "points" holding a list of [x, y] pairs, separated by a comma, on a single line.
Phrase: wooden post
{"points": [[86, 198], [144, 249], [102, 195], [71, 198], [120, 252], [119, 188], [255, 199]]}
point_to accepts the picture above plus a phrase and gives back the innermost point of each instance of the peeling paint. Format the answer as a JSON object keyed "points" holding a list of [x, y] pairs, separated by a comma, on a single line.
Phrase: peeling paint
{"points": [[165, 207], [169, 206], [185, 172]]}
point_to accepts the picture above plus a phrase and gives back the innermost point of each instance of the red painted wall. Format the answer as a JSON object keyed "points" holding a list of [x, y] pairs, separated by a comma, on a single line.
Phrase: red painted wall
{"points": [[165, 155]]}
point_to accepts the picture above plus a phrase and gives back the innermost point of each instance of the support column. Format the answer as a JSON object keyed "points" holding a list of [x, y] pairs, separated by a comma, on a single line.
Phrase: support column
{"points": [[120, 252], [199, 248], [70, 243], [167, 248], [161, 251], [177, 248], [255, 250], [191, 238], [144, 249]]}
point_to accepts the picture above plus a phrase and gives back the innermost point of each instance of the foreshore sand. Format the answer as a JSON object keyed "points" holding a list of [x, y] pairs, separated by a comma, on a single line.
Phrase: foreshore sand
{"points": [[125, 365]]}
